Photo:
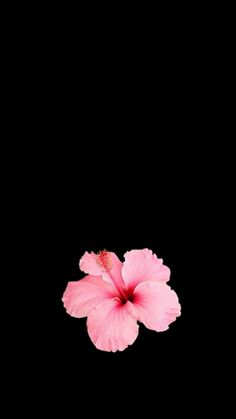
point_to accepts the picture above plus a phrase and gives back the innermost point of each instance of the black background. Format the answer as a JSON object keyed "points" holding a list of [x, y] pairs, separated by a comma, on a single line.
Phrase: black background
{"points": [[121, 148]]}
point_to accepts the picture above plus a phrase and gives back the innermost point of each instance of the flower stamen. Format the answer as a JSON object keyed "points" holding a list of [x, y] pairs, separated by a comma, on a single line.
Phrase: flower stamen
{"points": [[104, 261]]}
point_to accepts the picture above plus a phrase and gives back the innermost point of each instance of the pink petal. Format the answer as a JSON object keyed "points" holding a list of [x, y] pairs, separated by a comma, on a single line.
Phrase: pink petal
{"points": [[157, 305], [81, 296], [143, 265], [113, 326], [89, 264]]}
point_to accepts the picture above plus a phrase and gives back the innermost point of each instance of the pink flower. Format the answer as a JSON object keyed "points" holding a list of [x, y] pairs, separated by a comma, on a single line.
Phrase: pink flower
{"points": [[115, 295]]}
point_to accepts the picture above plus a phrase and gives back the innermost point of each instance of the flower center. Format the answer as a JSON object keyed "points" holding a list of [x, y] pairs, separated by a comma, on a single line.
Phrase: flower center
{"points": [[103, 260], [128, 297]]}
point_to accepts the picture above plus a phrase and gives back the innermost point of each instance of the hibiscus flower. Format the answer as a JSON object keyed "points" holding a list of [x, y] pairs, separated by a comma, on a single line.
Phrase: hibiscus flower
{"points": [[115, 296]]}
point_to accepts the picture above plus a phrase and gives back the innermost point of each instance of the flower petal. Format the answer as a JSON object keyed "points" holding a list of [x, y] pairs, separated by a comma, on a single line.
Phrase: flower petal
{"points": [[81, 296], [88, 264], [112, 326], [143, 265], [157, 305]]}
